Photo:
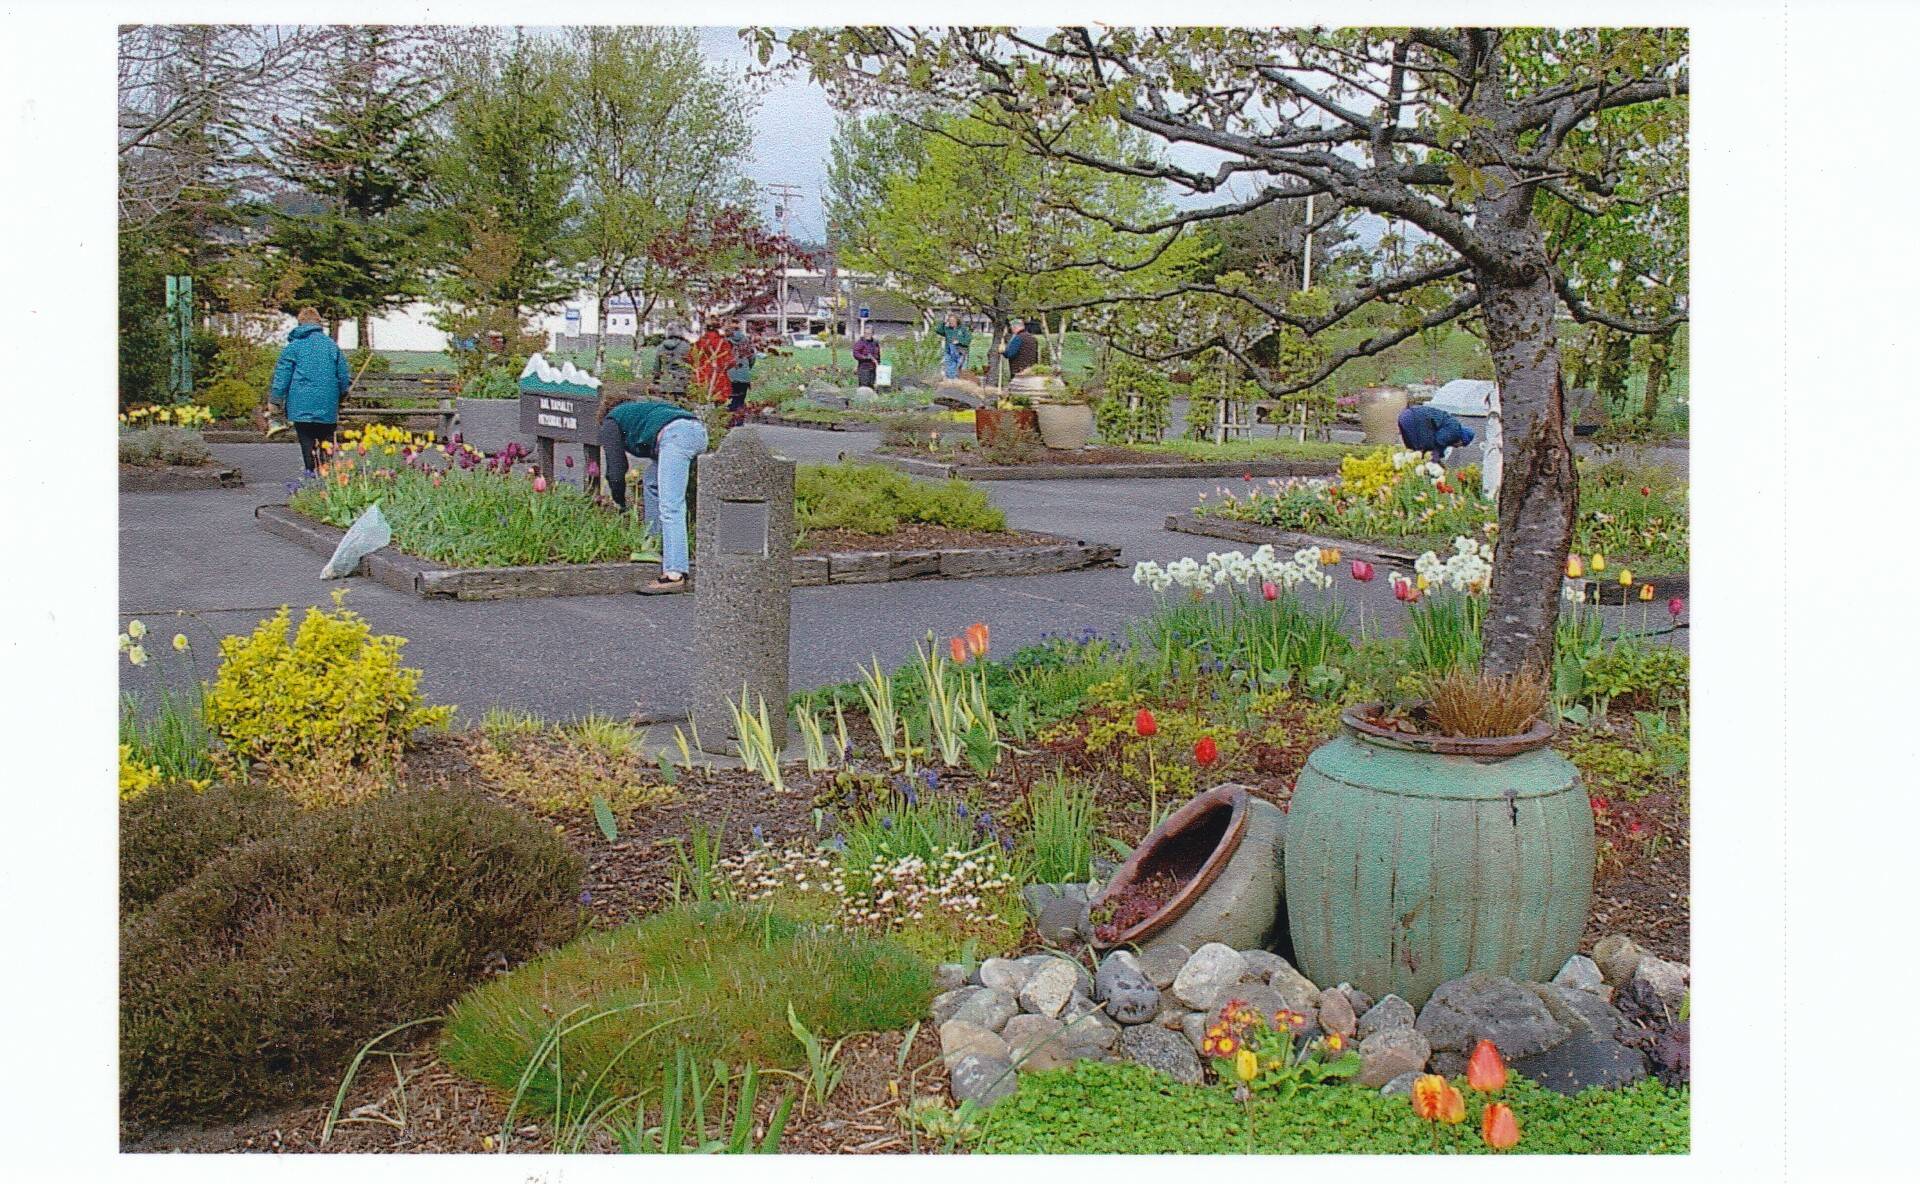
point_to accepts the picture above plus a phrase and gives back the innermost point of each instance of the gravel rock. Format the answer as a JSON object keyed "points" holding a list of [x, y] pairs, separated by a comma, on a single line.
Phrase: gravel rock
{"points": [[1583, 1061], [1161, 964], [1581, 1011], [1063, 921], [949, 976], [1003, 974], [1336, 1014], [1194, 1028], [1390, 1052], [1390, 1012], [959, 1038], [1357, 999], [1040, 1040], [1617, 955], [1090, 1035], [1121, 985], [1169, 1052], [1212, 969], [1296, 988], [1658, 979], [1399, 1087], [1485, 1006], [1581, 974], [1173, 1013], [945, 1005], [1049, 988], [1262, 963], [983, 1080], [989, 1008], [1037, 896]]}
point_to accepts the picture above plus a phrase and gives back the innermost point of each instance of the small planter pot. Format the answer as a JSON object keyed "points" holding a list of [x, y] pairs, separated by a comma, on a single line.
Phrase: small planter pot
{"points": [[1037, 386], [1412, 860], [1065, 425], [1225, 845], [989, 422]]}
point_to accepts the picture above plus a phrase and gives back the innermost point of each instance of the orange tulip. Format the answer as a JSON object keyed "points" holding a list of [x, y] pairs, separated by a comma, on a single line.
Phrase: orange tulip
{"points": [[1499, 1127], [1646, 591], [957, 648], [1429, 1096], [1486, 1072], [977, 638], [1456, 1107]]}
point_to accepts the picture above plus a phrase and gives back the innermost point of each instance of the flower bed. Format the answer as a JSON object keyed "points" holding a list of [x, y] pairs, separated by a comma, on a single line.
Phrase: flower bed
{"points": [[1395, 498], [946, 455]]}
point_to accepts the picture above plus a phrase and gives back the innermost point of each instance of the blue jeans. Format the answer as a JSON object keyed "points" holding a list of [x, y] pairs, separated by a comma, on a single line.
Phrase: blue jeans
{"points": [[666, 489], [952, 360]]}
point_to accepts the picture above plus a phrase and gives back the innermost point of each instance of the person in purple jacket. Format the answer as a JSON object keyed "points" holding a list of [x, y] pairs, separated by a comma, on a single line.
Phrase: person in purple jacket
{"points": [[866, 356]]}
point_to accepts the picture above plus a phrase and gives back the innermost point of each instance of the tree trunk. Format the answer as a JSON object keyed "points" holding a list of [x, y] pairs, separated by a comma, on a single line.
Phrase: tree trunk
{"points": [[601, 294], [363, 332], [997, 324], [1538, 494]]}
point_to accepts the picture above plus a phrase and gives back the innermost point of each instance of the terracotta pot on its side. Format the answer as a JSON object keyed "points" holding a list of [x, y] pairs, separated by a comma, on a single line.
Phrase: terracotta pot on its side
{"points": [[989, 422]]}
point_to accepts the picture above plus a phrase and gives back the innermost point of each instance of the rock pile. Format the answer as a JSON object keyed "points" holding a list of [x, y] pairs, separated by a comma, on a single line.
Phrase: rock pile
{"points": [[1018, 1015]]}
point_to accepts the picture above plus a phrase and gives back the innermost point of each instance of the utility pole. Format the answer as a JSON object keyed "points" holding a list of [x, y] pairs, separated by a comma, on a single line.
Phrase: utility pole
{"points": [[1306, 272], [785, 194]]}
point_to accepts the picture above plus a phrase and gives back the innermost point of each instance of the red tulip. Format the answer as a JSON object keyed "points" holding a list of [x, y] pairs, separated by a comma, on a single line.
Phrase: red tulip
{"points": [[957, 648], [1246, 477], [1206, 752], [1498, 1127], [1443, 487], [1270, 590], [1646, 491], [1676, 606], [1362, 570], [569, 460], [977, 638], [1144, 724], [1486, 1072]]}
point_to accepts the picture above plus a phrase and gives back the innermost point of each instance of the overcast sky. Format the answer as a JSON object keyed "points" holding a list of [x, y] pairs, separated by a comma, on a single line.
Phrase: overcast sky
{"points": [[791, 132]]}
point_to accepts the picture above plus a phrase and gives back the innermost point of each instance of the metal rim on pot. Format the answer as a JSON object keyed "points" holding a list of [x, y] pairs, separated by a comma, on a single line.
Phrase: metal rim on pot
{"points": [[1233, 797], [1537, 736]]}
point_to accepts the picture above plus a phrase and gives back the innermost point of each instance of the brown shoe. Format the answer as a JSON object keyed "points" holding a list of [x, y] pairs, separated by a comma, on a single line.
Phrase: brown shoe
{"points": [[663, 586]]}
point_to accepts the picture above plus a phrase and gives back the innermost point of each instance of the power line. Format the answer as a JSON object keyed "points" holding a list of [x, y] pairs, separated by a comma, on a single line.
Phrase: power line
{"points": [[786, 193]]}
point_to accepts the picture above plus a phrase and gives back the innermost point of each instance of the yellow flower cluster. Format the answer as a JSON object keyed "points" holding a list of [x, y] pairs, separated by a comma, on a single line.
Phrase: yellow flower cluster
{"points": [[136, 776], [375, 435], [184, 415]]}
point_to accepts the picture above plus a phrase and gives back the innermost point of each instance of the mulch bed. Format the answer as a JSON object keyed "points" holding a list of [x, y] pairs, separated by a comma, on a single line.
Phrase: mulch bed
{"points": [[917, 537]]}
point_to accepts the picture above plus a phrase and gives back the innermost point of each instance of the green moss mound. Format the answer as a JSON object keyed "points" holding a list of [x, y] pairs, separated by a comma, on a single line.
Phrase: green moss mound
{"points": [[715, 979], [253, 984], [1123, 1109], [874, 499]]}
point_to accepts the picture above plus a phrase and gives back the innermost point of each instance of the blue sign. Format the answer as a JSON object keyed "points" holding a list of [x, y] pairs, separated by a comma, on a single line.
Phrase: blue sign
{"points": [[865, 312]]}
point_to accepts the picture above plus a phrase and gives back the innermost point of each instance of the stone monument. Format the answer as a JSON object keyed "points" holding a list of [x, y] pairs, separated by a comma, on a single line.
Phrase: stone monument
{"points": [[743, 579]]}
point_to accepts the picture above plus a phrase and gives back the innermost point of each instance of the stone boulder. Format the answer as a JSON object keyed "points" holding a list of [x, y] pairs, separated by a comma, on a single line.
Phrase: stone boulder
{"points": [[1162, 963], [1390, 1052], [1486, 1006], [1657, 985], [988, 1007], [1580, 1011], [1049, 987], [1336, 1013], [1003, 974], [959, 1038], [1262, 963], [1581, 974], [982, 1080], [1169, 1052], [1616, 955], [1123, 987], [949, 976], [1035, 1043], [1390, 1012], [1583, 1061], [1296, 988], [1212, 969], [948, 1003]]}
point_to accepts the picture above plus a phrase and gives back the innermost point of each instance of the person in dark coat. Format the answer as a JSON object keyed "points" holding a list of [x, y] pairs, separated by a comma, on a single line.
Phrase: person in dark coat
{"points": [[1432, 431], [739, 374], [308, 381], [672, 365], [1022, 349], [866, 357], [671, 437]]}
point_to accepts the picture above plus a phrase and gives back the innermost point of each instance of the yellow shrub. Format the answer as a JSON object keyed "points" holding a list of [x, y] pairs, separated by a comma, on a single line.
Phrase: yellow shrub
{"points": [[136, 776], [334, 694], [1369, 473]]}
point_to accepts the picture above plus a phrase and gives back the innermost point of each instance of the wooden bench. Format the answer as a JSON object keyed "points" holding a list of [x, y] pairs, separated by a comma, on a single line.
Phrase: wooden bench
{"points": [[383, 398]]}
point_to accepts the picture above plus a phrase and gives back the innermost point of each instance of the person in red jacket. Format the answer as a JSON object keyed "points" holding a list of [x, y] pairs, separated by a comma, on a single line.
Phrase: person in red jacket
{"points": [[712, 357]]}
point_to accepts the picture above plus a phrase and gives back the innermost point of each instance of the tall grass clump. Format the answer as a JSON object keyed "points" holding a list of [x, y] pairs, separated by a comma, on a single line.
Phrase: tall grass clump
{"points": [[603, 1018], [1059, 839], [1480, 705]]}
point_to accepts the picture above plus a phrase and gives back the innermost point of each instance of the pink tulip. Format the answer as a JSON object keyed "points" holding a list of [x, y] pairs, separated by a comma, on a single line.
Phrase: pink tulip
{"points": [[593, 470], [539, 484], [1270, 590], [1362, 570], [1676, 606]]}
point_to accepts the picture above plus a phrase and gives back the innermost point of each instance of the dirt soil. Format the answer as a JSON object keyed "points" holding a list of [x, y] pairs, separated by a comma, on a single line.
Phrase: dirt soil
{"points": [[917, 537]]}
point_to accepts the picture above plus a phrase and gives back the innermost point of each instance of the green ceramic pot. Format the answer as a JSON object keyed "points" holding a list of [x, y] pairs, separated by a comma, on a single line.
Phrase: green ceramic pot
{"points": [[1411, 861]]}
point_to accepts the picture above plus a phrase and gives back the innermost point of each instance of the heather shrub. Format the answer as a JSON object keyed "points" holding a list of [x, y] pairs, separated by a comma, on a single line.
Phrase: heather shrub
{"points": [[170, 832], [252, 985]]}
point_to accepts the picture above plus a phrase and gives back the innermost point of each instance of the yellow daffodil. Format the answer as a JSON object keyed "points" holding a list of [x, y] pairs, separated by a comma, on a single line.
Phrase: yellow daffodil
{"points": [[136, 629], [137, 655], [180, 639], [1646, 591]]}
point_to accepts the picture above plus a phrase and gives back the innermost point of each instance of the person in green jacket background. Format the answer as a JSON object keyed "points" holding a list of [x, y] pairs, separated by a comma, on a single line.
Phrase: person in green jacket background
{"points": [[671, 436], [308, 381], [959, 340], [673, 365]]}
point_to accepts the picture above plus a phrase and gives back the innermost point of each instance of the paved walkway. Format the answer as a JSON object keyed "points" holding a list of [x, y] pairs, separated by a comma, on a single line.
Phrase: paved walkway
{"points": [[197, 563]]}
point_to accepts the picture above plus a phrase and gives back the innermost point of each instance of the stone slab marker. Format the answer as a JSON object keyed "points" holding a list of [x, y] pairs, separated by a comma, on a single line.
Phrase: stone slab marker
{"points": [[743, 579]]}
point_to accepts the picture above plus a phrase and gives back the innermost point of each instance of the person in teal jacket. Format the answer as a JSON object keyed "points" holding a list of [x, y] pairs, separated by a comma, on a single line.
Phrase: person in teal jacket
{"points": [[671, 437], [308, 381]]}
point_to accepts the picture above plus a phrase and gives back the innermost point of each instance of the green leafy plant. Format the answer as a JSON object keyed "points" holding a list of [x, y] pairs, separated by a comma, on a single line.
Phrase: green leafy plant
{"points": [[684, 1114], [876, 691], [163, 445], [875, 499], [697, 874], [754, 743], [824, 1071], [1061, 817]]}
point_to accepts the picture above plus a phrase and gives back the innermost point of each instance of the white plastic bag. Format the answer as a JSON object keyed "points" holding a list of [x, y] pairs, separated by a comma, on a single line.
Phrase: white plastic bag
{"points": [[368, 534]]}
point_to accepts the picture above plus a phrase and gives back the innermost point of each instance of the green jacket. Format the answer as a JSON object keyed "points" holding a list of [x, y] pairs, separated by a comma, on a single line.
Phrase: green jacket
{"points": [[310, 377], [640, 422], [957, 335]]}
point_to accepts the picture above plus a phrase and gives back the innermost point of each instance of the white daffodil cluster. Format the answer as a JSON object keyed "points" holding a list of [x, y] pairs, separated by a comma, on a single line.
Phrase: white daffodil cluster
{"points": [[1264, 566], [1419, 463], [880, 895], [1467, 569]]}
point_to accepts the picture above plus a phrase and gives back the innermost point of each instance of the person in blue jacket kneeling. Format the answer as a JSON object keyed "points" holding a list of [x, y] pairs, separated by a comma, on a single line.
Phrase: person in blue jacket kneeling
{"points": [[1432, 431], [308, 381]]}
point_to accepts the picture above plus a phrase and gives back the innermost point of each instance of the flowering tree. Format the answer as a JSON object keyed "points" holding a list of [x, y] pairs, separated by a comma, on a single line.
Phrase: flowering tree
{"points": [[1464, 134], [720, 263]]}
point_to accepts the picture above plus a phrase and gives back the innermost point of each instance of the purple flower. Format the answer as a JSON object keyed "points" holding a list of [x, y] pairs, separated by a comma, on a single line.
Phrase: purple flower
{"points": [[837, 842], [886, 823], [586, 897], [457, 437], [961, 810], [932, 778], [1006, 841], [758, 837]]}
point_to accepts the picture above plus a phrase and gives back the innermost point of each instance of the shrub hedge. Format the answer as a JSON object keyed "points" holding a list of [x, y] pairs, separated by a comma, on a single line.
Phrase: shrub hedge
{"points": [[1097, 1108], [170, 832], [254, 983], [874, 499]]}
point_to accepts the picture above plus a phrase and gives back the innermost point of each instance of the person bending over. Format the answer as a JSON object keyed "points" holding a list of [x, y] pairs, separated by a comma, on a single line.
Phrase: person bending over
{"points": [[1432, 431], [671, 437]]}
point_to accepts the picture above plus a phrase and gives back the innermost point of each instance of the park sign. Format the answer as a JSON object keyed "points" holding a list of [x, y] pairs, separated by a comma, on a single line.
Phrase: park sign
{"points": [[557, 403]]}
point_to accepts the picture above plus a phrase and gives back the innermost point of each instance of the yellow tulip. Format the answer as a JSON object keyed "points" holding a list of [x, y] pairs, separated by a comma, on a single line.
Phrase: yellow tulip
{"points": [[1574, 568], [1246, 1066], [136, 630], [1646, 591], [1598, 562], [1626, 577]]}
